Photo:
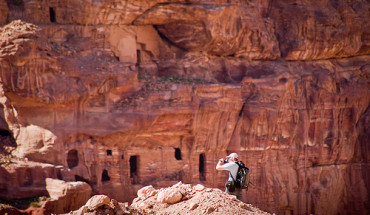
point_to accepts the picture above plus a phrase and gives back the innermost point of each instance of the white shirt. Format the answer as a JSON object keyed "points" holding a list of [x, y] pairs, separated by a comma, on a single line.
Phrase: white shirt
{"points": [[232, 167]]}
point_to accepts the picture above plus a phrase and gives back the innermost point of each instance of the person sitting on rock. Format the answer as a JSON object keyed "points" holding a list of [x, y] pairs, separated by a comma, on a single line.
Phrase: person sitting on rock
{"points": [[230, 165]]}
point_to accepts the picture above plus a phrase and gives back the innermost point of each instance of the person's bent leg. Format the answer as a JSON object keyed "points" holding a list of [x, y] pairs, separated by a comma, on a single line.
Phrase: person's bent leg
{"points": [[237, 192]]}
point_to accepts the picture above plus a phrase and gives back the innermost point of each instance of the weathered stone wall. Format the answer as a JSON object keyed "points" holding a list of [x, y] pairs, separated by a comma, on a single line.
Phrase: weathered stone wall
{"points": [[111, 90]]}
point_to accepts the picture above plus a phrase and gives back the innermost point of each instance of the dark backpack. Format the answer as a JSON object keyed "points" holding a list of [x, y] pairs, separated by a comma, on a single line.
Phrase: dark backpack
{"points": [[242, 177]]}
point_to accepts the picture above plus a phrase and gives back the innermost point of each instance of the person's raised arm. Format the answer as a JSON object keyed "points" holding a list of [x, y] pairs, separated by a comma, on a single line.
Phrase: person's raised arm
{"points": [[219, 164]]}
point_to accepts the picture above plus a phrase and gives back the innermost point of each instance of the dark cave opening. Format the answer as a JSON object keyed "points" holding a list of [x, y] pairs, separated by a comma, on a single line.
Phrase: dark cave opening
{"points": [[52, 14], [134, 169], [80, 178], [105, 176], [178, 154], [72, 158], [109, 152], [202, 172], [5, 133]]}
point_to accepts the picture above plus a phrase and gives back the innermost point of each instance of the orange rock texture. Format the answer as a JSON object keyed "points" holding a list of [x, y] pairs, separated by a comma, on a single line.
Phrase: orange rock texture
{"points": [[125, 94]]}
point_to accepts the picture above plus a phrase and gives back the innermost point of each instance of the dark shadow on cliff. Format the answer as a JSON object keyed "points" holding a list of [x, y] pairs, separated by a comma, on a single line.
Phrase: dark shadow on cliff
{"points": [[7, 141]]}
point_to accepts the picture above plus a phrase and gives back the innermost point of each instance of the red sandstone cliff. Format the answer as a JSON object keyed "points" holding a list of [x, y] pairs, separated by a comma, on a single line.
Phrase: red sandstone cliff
{"points": [[123, 94]]}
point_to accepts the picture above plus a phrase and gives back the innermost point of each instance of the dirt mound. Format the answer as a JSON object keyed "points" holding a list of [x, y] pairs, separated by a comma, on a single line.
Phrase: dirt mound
{"points": [[189, 199], [178, 199]]}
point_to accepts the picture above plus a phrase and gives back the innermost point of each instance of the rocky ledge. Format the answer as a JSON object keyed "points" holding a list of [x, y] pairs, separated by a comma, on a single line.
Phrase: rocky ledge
{"points": [[177, 199]]}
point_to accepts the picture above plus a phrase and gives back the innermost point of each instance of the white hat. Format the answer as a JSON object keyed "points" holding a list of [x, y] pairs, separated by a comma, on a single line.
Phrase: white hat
{"points": [[233, 155]]}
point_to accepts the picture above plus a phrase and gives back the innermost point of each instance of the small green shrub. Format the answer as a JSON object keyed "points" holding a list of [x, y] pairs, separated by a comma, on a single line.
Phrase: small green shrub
{"points": [[9, 159], [35, 204], [17, 2]]}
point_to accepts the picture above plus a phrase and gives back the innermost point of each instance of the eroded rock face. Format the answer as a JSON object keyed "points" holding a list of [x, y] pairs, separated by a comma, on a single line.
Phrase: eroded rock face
{"points": [[66, 196], [221, 30], [133, 93], [320, 30], [4, 10], [22, 179]]}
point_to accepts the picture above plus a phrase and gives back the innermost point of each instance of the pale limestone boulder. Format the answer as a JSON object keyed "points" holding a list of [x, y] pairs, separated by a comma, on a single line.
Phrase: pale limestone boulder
{"points": [[66, 196], [97, 201], [146, 192], [55, 187], [170, 196], [198, 187], [58, 188], [34, 141]]}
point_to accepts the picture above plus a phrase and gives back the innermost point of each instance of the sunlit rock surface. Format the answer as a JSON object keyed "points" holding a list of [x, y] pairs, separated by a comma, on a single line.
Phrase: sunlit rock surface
{"points": [[125, 94]]}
